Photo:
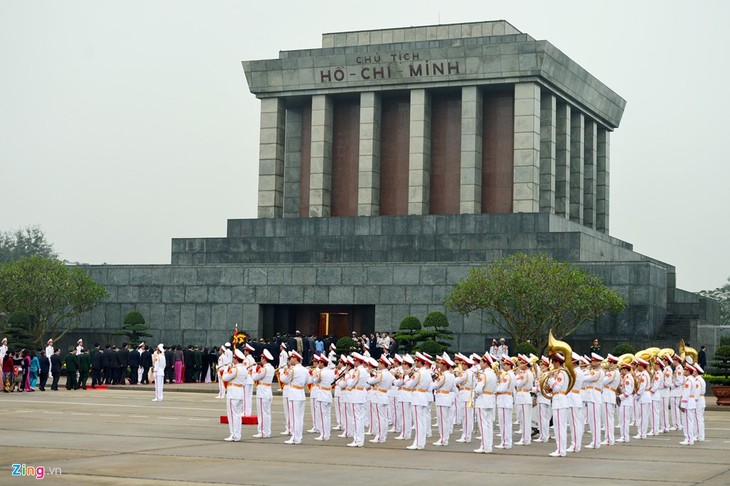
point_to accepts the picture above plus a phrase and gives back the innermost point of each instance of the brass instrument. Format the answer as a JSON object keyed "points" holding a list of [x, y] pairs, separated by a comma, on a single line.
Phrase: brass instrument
{"points": [[666, 353], [470, 402], [556, 346], [628, 358], [649, 354], [685, 351]]}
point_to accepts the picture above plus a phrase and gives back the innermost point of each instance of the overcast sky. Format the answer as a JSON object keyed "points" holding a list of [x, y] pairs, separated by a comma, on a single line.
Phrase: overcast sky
{"points": [[126, 124]]}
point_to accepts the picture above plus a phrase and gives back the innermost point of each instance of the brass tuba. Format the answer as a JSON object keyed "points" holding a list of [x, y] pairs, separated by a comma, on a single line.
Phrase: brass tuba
{"points": [[556, 346], [685, 351]]}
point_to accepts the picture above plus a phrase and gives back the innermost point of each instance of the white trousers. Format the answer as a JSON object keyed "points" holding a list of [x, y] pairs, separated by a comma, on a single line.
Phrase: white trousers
{"points": [[324, 418], [576, 422], [594, 422], [247, 399], [380, 421], [560, 424], [407, 414], [338, 411], [544, 413], [423, 424], [264, 416], [358, 413], [643, 419], [159, 382], [524, 416], [689, 426], [296, 419], [609, 416], [467, 415], [625, 414], [445, 420], [234, 410], [485, 421], [287, 419], [505, 426], [676, 412], [700, 423]]}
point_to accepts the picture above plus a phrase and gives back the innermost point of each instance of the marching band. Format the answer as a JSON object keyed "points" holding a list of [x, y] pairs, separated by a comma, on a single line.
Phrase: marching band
{"points": [[655, 390]]}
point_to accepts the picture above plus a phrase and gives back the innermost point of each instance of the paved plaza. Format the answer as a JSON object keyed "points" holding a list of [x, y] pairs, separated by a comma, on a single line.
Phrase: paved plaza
{"points": [[120, 436]]}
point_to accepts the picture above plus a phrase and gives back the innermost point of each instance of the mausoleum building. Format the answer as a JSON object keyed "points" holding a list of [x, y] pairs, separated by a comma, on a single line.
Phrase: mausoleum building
{"points": [[391, 162]]}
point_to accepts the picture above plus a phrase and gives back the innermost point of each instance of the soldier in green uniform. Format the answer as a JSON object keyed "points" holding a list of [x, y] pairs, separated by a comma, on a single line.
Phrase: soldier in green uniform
{"points": [[84, 367], [72, 366]]}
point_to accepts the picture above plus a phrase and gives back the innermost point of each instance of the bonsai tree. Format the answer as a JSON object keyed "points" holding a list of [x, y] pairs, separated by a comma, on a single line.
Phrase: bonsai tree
{"points": [[134, 328], [408, 333], [526, 349], [431, 347], [623, 348], [435, 329], [720, 366], [346, 345]]}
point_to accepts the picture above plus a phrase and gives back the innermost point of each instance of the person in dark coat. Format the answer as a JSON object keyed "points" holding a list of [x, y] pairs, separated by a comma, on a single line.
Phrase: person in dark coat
{"points": [[189, 362], [145, 361], [206, 364], [198, 363], [96, 367], [72, 366], [45, 368], [55, 368], [105, 368], [123, 355], [114, 364], [169, 364], [212, 363], [133, 361], [84, 367]]}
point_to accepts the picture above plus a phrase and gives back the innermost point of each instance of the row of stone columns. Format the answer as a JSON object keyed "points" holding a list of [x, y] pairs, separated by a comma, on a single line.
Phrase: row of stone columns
{"points": [[561, 157]]}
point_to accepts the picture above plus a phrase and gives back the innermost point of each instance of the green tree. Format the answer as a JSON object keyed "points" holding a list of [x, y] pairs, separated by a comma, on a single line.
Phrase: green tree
{"points": [[134, 328], [527, 295], [26, 242], [435, 329], [721, 294], [408, 333], [16, 330], [52, 293], [346, 345]]}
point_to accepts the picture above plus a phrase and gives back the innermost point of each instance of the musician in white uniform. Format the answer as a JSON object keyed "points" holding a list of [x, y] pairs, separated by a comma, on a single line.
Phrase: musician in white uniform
{"points": [[380, 383], [296, 380], [675, 394], [419, 386], [700, 389], [544, 411], [445, 389], [323, 403], [593, 383], [611, 380], [505, 393], [626, 390], [558, 383], [688, 404], [225, 359], [263, 375], [576, 419], [484, 403], [524, 381], [248, 364], [357, 384], [234, 377], [644, 397], [465, 383]]}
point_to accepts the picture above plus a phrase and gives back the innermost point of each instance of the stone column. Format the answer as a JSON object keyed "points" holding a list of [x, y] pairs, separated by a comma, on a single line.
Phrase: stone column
{"points": [[602, 179], [419, 159], [548, 140], [577, 134], [526, 195], [562, 160], [472, 107], [271, 158], [292, 162], [368, 198], [590, 152], [320, 179]]}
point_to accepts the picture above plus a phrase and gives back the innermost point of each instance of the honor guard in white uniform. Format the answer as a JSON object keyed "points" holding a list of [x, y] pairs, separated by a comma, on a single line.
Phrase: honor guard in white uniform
{"points": [[484, 402], [544, 411], [524, 380], [675, 394], [627, 388], [505, 402], [380, 381], [666, 392], [357, 384], [296, 380], [234, 378], [657, 384], [282, 370], [348, 418], [248, 363], [79, 346], [419, 384], [404, 398], [393, 367], [611, 380], [465, 383], [688, 404], [225, 359], [700, 389], [558, 384], [576, 420], [49, 353], [263, 375], [643, 392], [158, 368], [339, 372], [313, 385], [324, 398], [593, 383], [444, 388]]}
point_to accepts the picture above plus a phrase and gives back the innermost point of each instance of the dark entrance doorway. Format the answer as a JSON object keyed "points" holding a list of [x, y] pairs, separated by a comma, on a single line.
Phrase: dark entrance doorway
{"points": [[318, 320]]}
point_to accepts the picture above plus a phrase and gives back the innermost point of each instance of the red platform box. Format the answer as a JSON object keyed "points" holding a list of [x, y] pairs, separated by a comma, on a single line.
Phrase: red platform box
{"points": [[245, 420]]}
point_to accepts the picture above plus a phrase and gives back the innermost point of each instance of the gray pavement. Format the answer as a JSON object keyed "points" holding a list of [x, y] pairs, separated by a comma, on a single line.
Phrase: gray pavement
{"points": [[120, 436]]}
